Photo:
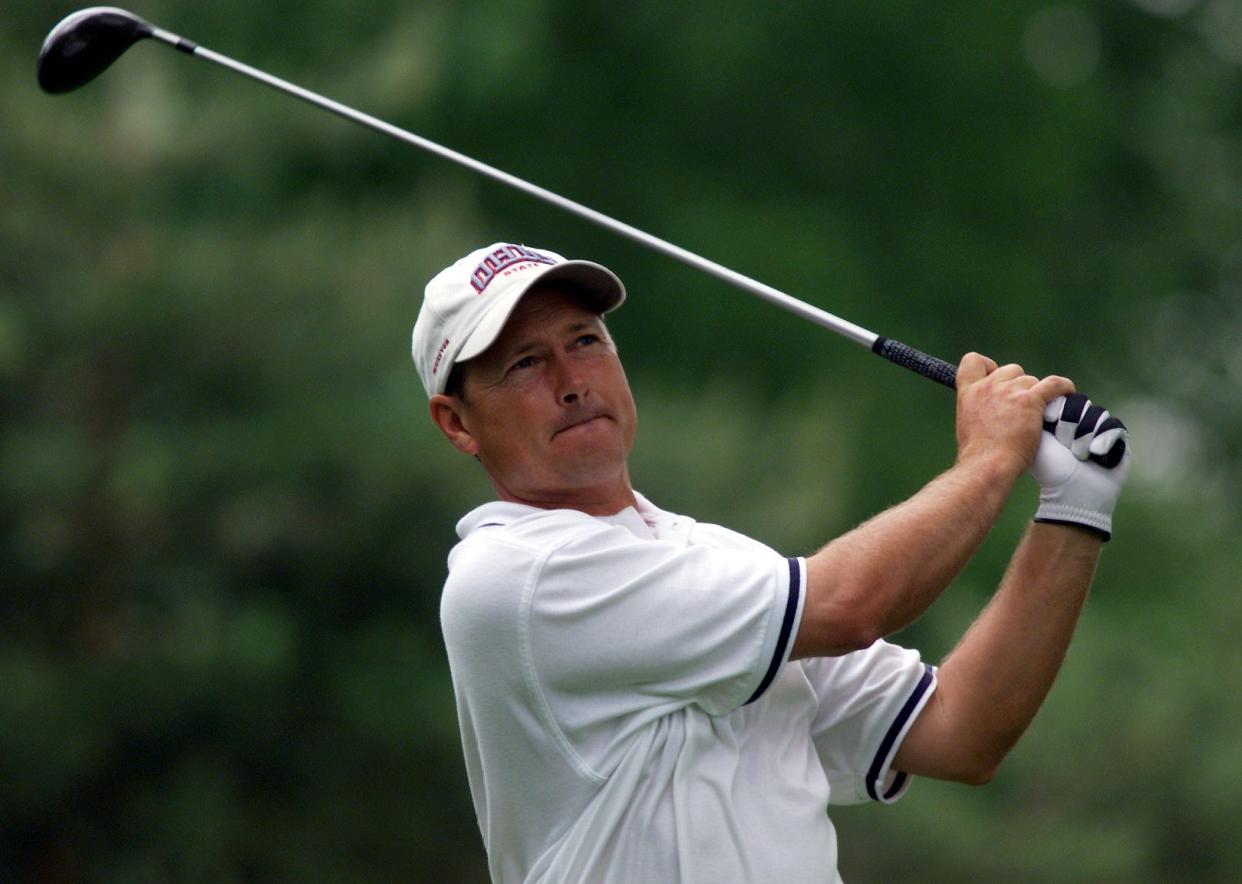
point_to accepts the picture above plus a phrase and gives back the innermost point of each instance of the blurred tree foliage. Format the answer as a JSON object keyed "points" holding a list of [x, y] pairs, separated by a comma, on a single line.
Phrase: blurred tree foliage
{"points": [[224, 518]]}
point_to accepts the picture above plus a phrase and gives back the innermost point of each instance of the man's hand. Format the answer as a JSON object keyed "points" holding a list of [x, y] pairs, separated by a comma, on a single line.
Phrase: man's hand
{"points": [[1081, 465], [1000, 411]]}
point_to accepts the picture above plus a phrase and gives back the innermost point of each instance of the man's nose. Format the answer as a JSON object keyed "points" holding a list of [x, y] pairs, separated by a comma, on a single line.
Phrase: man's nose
{"points": [[571, 383]]}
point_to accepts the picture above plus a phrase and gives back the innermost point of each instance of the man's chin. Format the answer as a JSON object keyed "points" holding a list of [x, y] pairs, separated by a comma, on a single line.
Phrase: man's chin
{"points": [[591, 460]]}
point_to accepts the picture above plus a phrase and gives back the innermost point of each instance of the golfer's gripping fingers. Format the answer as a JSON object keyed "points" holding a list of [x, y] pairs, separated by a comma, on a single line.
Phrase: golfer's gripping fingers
{"points": [[973, 367], [1009, 372], [1050, 388], [1000, 410], [1088, 430], [1082, 464]]}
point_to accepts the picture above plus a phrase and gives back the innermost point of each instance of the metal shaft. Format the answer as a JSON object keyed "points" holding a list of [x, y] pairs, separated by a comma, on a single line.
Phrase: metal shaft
{"points": [[65, 64], [766, 292]]}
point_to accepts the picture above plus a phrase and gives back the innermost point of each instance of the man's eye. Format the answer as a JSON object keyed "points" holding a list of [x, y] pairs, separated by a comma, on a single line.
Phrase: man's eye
{"points": [[588, 339], [524, 362]]}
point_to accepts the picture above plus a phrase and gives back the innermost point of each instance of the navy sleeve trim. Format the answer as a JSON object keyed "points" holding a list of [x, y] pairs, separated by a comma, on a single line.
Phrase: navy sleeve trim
{"points": [[886, 745], [782, 641]]}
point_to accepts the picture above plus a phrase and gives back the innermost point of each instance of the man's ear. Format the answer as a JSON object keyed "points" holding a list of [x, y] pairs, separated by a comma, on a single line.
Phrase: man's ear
{"points": [[446, 413]]}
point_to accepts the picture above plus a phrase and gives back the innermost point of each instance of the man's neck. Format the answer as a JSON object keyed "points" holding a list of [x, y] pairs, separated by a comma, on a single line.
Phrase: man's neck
{"points": [[603, 501]]}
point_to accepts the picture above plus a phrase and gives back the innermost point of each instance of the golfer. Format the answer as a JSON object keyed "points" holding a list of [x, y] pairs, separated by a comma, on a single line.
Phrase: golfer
{"points": [[646, 698]]}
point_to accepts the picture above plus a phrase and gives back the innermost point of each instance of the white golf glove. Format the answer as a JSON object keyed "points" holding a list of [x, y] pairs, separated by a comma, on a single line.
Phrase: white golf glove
{"points": [[1081, 465]]}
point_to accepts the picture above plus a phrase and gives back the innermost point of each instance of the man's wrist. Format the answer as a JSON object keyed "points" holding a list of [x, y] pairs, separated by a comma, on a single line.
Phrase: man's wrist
{"points": [[1054, 508], [1078, 532], [1100, 534], [993, 465]]}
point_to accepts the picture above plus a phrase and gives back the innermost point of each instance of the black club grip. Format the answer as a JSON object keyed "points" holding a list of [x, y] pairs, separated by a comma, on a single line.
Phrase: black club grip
{"points": [[917, 361]]}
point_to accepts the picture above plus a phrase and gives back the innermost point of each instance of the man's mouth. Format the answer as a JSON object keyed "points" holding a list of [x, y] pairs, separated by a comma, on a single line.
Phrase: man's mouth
{"points": [[578, 422]]}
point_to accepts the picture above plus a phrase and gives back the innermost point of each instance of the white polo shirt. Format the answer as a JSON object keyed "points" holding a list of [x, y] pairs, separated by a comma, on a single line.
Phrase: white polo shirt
{"points": [[627, 708]]}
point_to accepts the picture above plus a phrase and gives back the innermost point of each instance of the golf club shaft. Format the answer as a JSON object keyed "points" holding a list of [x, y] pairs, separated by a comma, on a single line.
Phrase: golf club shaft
{"points": [[894, 351]]}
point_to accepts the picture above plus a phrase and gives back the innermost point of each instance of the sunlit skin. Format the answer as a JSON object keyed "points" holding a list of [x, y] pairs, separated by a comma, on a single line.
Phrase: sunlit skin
{"points": [[547, 409]]}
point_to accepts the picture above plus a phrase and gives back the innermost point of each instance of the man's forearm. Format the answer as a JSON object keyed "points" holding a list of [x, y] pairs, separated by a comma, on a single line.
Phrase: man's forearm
{"points": [[994, 681], [885, 573]]}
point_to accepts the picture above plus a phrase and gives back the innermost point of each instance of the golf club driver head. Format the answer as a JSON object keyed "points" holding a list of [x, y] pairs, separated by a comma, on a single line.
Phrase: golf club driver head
{"points": [[84, 44]]}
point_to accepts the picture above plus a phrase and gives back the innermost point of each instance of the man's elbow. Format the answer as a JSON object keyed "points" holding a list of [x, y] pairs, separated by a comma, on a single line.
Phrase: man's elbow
{"points": [[959, 762], [976, 768], [978, 775]]}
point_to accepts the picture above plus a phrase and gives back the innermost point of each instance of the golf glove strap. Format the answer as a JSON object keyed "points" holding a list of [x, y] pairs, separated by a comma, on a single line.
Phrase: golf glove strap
{"points": [[1081, 465]]}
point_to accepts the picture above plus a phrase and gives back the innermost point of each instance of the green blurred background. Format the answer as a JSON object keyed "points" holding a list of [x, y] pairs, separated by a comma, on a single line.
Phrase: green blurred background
{"points": [[224, 516]]}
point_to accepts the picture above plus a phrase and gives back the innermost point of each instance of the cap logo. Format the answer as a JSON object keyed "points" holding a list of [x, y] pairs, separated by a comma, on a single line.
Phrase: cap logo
{"points": [[435, 366], [501, 259]]}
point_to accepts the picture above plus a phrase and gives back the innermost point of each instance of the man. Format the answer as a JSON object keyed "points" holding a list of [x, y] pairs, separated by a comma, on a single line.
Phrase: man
{"points": [[643, 698]]}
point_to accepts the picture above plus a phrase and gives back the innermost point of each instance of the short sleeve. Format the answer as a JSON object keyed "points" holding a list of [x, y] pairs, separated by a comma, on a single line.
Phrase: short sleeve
{"points": [[867, 702], [624, 624]]}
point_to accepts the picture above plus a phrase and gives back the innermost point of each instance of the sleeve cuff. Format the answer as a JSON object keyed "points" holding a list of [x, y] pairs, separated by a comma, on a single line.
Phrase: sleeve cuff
{"points": [[789, 624], [884, 784]]}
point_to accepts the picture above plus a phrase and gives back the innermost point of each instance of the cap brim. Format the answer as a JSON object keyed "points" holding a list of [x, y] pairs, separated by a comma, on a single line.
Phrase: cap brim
{"points": [[595, 282]]}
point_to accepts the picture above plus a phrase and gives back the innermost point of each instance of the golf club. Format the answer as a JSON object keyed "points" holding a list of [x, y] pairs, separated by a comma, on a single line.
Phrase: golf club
{"points": [[85, 43]]}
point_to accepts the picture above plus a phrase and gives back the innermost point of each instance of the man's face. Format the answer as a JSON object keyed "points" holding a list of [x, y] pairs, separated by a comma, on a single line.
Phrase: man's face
{"points": [[547, 408]]}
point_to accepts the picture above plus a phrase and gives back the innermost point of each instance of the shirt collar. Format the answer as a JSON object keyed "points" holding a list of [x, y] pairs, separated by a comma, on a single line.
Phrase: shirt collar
{"points": [[645, 520], [498, 512]]}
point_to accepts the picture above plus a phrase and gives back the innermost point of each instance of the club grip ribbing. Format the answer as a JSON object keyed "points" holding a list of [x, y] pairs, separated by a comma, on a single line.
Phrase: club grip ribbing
{"points": [[917, 361]]}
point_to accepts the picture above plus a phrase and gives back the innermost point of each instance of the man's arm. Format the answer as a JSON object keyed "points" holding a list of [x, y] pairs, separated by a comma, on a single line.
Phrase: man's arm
{"points": [[992, 684], [884, 574]]}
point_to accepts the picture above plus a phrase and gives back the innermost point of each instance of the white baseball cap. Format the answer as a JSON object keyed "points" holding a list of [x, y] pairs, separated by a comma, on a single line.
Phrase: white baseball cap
{"points": [[465, 306]]}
